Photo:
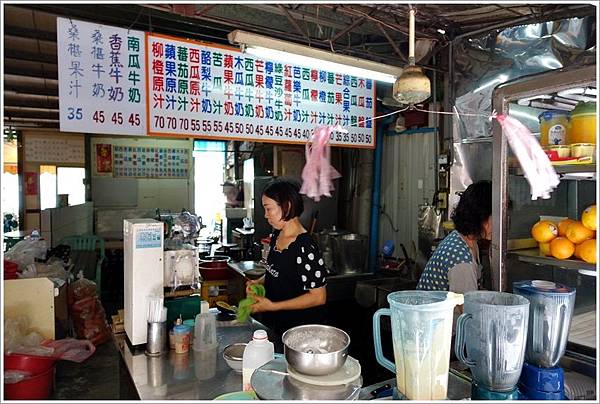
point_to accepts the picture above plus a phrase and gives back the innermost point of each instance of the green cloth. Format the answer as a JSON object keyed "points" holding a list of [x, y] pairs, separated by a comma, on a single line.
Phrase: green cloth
{"points": [[243, 311]]}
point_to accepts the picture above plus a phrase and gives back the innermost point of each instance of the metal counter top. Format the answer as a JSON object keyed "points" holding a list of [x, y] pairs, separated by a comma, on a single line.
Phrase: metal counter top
{"points": [[191, 376]]}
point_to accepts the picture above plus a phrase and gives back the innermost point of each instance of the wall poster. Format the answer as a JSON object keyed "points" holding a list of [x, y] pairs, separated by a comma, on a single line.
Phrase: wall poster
{"points": [[104, 159]]}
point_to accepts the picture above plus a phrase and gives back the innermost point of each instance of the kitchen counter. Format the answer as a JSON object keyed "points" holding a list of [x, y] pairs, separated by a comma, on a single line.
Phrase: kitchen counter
{"points": [[459, 387], [191, 376]]}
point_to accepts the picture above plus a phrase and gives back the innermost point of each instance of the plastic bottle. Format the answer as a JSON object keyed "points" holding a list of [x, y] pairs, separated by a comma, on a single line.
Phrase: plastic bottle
{"points": [[258, 352]]}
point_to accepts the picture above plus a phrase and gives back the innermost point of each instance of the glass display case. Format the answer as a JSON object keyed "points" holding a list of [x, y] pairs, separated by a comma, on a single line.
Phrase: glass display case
{"points": [[514, 254]]}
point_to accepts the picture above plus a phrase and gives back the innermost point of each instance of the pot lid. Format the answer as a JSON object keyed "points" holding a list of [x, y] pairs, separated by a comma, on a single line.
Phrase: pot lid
{"points": [[542, 287], [334, 231]]}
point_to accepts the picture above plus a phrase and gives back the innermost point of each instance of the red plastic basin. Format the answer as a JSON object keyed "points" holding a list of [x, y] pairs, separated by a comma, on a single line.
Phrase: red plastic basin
{"points": [[215, 270], [29, 363], [38, 387]]}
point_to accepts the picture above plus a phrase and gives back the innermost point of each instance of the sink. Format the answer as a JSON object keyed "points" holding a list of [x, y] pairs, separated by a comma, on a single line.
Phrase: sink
{"points": [[250, 269], [374, 292]]}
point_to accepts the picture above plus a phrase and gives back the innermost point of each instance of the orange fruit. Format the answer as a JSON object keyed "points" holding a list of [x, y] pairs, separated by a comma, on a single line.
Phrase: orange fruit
{"points": [[545, 249], [587, 251], [561, 248], [577, 253], [588, 217], [544, 231], [562, 226], [578, 233]]}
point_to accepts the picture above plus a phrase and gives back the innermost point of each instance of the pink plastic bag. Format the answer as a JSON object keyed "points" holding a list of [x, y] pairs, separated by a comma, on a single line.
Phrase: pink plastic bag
{"points": [[318, 174], [69, 349]]}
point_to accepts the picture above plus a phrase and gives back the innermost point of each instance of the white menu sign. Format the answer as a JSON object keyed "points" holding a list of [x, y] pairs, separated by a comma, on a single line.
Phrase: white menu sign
{"points": [[195, 89], [101, 78]]}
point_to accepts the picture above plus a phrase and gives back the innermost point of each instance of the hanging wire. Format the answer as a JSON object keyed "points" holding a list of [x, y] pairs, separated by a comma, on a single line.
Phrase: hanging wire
{"points": [[380, 116]]}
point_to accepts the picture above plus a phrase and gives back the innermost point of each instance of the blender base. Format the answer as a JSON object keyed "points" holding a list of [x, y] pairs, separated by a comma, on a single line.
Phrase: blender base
{"points": [[539, 383], [481, 393]]}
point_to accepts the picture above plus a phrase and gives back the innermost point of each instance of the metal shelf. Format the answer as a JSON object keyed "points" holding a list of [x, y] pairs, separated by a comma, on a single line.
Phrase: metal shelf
{"points": [[531, 255], [568, 172]]}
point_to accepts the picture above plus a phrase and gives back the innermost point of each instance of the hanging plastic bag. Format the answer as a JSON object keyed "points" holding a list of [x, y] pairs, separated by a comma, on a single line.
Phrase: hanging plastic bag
{"points": [[536, 166], [318, 174]]}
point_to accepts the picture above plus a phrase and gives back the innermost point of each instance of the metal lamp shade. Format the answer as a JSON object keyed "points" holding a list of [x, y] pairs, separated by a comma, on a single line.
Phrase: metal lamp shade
{"points": [[412, 87]]}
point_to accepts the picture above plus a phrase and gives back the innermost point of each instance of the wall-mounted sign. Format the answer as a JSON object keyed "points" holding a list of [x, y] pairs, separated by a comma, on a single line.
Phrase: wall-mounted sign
{"points": [[46, 149], [101, 78], [220, 93], [150, 162], [108, 84]]}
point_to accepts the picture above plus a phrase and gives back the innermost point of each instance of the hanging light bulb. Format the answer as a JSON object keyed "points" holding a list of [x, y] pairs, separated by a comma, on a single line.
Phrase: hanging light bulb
{"points": [[412, 87]]}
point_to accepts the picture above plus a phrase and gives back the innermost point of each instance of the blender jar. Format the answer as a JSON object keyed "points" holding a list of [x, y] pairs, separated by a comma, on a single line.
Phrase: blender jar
{"points": [[422, 335], [493, 330], [550, 311]]}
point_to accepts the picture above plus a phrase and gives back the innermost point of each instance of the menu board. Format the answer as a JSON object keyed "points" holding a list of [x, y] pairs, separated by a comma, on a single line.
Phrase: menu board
{"points": [[101, 78], [150, 162], [46, 149], [215, 92]]}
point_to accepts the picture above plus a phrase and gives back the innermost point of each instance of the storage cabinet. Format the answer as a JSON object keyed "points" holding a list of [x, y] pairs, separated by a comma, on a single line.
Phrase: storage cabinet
{"points": [[514, 212]]}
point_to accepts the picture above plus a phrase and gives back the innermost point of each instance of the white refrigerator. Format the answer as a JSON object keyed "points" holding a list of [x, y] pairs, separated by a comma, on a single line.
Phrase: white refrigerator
{"points": [[143, 277]]}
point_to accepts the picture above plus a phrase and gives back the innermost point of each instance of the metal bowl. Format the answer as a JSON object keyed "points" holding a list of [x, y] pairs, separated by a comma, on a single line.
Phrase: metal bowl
{"points": [[233, 355], [315, 350]]}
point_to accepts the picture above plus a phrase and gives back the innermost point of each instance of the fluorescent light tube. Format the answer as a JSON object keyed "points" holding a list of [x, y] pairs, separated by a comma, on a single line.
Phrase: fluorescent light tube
{"points": [[269, 48]]}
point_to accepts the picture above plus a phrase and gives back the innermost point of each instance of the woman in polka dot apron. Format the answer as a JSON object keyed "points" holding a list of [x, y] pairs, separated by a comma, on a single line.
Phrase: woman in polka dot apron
{"points": [[455, 265], [296, 275]]}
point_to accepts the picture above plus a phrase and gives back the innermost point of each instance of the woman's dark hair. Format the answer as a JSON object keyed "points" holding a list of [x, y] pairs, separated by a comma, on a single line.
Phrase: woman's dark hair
{"points": [[287, 195], [473, 209]]}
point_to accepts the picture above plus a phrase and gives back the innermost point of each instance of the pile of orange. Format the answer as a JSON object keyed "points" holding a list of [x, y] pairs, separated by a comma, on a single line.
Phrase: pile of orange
{"points": [[569, 237]]}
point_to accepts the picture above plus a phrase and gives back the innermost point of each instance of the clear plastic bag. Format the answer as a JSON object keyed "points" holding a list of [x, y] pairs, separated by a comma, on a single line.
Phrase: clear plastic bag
{"points": [[26, 251], [13, 376], [70, 349]]}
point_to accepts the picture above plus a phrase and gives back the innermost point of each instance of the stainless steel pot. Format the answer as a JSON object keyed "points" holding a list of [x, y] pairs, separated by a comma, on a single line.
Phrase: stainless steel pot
{"points": [[326, 240], [351, 251], [315, 349]]}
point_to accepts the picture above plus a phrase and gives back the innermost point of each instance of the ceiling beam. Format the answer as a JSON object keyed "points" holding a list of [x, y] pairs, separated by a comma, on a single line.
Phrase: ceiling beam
{"points": [[299, 14], [392, 43], [42, 74], [13, 99], [12, 30], [21, 112], [29, 56], [349, 28], [293, 22], [30, 90]]}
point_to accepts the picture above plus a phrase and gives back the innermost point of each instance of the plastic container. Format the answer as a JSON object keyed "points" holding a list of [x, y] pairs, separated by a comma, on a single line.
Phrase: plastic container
{"points": [[205, 332], [560, 151], [498, 320], [29, 363], [181, 334], [10, 270], [583, 123], [38, 387], [421, 335], [550, 311], [258, 352], [583, 150], [553, 127]]}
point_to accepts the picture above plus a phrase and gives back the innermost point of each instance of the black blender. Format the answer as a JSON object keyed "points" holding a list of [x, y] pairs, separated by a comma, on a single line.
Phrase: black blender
{"points": [[550, 312]]}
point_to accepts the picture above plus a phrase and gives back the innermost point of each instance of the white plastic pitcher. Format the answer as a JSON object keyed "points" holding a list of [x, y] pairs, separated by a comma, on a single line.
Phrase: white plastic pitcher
{"points": [[422, 335]]}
